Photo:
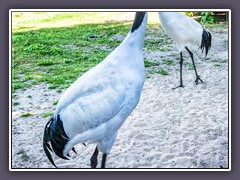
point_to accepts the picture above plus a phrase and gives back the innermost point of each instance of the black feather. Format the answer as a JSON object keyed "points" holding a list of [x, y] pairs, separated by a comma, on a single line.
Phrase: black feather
{"points": [[55, 139], [46, 141], [206, 41], [137, 21], [73, 149], [58, 137]]}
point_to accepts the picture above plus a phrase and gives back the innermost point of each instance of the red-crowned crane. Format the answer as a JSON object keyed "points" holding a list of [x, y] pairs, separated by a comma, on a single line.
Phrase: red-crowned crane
{"points": [[95, 106], [186, 32]]}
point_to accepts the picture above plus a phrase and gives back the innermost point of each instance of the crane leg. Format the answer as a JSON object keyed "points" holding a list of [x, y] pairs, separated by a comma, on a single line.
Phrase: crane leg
{"points": [[197, 76], [93, 159], [181, 63], [104, 160]]}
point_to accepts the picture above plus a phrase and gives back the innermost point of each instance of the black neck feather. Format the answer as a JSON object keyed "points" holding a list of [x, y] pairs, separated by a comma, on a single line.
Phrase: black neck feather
{"points": [[137, 21]]}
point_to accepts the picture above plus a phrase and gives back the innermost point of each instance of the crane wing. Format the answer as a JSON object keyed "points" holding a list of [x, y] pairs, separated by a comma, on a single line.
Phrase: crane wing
{"points": [[95, 105]]}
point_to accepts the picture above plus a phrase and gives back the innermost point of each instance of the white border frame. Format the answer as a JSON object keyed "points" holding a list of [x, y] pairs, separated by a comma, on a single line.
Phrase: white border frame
{"points": [[118, 10]]}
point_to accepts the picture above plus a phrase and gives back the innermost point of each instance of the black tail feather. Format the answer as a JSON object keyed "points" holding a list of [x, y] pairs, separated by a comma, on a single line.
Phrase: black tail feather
{"points": [[55, 139], [46, 141], [58, 137], [206, 41]]}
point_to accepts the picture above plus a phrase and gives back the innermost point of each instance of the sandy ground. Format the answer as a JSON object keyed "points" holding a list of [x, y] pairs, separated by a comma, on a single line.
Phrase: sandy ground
{"points": [[182, 128]]}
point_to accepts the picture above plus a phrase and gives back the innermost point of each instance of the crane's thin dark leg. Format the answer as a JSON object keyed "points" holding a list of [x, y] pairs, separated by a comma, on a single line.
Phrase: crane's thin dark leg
{"points": [[181, 63], [104, 160], [197, 76], [93, 159]]}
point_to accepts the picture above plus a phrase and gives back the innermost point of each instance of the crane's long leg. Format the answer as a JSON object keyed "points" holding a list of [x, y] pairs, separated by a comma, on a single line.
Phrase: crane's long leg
{"points": [[104, 160], [181, 63], [197, 76], [93, 159]]}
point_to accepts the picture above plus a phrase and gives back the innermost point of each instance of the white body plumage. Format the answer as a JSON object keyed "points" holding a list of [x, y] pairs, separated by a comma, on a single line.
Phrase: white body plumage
{"points": [[184, 30], [94, 107]]}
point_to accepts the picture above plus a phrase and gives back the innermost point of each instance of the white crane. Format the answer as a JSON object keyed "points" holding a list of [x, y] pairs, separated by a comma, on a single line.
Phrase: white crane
{"points": [[95, 106], [186, 32]]}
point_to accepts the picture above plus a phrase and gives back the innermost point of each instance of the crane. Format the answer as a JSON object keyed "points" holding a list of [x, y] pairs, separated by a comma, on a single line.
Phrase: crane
{"points": [[186, 32], [96, 105]]}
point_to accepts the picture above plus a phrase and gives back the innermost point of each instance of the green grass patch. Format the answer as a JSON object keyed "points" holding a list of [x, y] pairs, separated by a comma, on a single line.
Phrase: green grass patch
{"points": [[46, 114], [158, 44], [16, 103], [206, 58], [59, 55], [189, 65], [55, 48], [148, 63], [55, 102], [162, 72], [217, 26], [27, 114], [169, 62], [148, 76], [23, 155], [218, 60], [159, 71]]}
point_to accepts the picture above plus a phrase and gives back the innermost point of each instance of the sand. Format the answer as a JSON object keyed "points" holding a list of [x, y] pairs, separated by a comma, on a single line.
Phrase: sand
{"points": [[182, 128]]}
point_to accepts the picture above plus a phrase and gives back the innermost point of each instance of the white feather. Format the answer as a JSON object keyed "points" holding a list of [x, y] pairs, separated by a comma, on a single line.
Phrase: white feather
{"points": [[184, 30], [95, 106]]}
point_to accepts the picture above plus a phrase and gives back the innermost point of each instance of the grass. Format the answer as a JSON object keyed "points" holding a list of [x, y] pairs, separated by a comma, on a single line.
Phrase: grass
{"points": [[46, 114], [55, 102], [158, 39], [169, 62], [159, 71], [148, 63], [162, 72], [188, 65], [27, 114], [218, 60], [23, 155], [206, 58], [16, 103], [54, 48], [220, 26]]}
